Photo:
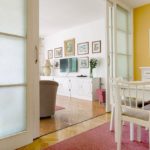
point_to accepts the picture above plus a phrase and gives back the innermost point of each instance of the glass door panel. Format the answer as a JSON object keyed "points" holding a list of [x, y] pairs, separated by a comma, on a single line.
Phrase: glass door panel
{"points": [[122, 45], [12, 60], [13, 17], [122, 19], [12, 110], [122, 66]]}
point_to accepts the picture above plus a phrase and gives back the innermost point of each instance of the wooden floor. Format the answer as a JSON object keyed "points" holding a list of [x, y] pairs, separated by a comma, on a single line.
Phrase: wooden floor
{"points": [[75, 111], [53, 138]]}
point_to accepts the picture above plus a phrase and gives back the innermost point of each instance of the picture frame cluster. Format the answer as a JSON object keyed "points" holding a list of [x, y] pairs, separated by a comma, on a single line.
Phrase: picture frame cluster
{"points": [[82, 49]]}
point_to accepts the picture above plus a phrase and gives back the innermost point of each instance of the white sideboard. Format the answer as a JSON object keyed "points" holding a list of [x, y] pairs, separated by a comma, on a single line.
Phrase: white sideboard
{"points": [[78, 87], [145, 73]]}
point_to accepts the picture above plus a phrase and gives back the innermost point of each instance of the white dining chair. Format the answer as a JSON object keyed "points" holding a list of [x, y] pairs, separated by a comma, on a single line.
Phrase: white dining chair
{"points": [[112, 85], [129, 111]]}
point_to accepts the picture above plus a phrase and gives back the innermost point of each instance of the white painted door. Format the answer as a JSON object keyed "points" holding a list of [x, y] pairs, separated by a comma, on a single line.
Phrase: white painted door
{"points": [[18, 62], [119, 42]]}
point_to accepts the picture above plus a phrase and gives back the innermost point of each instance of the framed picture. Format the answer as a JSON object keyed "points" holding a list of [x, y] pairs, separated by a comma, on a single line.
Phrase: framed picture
{"points": [[58, 52], [84, 62], [50, 54], [96, 47], [83, 48], [69, 47]]}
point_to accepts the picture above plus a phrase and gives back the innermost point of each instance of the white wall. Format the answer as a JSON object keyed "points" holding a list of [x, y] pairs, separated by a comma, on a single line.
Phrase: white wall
{"points": [[86, 33]]}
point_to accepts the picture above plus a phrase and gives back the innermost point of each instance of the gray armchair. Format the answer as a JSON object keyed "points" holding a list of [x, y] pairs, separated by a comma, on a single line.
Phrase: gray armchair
{"points": [[48, 91]]}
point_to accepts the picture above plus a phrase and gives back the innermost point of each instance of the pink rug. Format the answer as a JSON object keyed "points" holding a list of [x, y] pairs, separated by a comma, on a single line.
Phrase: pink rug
{"points": [[59, 108], [101, 138]]}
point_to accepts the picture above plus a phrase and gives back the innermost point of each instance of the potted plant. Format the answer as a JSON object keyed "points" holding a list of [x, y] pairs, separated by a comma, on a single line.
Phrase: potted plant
{"points": [[93, 64]]}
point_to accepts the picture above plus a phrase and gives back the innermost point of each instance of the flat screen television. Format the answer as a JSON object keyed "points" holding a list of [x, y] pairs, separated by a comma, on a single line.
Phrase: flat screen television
{"points": [[64, 65], [69, 65]]}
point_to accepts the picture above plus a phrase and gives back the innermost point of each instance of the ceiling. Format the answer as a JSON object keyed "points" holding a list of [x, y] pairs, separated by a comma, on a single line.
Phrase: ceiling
{"points": [[58, 15], [135, 3]]}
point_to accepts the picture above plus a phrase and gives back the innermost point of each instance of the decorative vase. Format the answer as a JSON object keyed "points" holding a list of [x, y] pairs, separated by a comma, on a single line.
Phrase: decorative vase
{"points": [[46, 71], [47, 68], [91, 72]]}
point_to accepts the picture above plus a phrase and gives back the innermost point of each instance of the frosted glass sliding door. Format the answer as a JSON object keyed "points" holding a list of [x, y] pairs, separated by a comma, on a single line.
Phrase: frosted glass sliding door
{"points": [[120, 42], [124, 55], [13, 80]]}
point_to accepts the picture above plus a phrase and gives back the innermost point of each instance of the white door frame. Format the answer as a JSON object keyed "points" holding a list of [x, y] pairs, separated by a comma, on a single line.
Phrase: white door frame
{"points": [[113, 2], [33, 33], [26, 137]]}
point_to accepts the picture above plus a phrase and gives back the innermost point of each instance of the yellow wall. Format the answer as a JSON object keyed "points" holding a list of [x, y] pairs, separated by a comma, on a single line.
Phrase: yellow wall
{"points": [[141, 51]]}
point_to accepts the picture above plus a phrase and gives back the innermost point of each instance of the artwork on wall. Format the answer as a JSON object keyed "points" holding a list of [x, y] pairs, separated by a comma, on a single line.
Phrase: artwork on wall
{"points": [[69, 47], [84, 62], [58, 52], [50, 54], [96, 46], [83, 48]]}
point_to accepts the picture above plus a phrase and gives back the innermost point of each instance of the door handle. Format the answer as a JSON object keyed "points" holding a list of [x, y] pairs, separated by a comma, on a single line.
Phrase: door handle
{"points": [[36, 55]]}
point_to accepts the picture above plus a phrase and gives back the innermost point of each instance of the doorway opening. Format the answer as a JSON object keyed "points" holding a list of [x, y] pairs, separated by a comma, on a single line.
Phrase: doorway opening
{"points": [[71, 37]]}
